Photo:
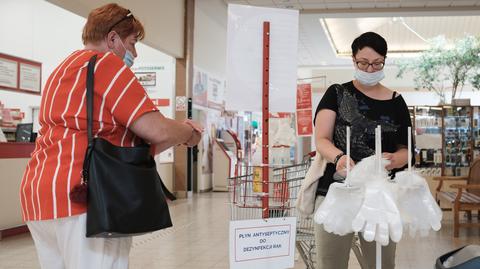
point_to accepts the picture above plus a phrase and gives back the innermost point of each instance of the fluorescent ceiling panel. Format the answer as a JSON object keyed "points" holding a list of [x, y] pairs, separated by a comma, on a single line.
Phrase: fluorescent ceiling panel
{"points": [[403, 34]]}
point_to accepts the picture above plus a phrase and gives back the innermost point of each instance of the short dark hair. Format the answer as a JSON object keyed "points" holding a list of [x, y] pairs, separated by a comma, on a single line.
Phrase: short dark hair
{"points": [[371, 40]]}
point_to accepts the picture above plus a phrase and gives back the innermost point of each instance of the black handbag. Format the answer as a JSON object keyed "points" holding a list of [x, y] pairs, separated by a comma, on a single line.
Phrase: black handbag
{"points": [[125, 193]]}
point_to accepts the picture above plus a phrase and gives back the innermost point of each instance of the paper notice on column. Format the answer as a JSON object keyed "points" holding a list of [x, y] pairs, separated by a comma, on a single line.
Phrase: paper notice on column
{"points": [[244, 58]]}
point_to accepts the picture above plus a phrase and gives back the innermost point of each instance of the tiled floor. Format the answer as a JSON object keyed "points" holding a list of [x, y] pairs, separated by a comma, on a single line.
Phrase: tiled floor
{"points": [[199, 239]]}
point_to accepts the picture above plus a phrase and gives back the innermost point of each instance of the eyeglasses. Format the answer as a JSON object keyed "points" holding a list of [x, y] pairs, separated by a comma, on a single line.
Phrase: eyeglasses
{"points": [[126, 17], [363, 65]]}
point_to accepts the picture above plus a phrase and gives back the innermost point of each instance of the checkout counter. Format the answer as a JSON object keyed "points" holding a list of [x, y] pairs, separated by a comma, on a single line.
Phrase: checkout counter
{"points": [[13, 161]]}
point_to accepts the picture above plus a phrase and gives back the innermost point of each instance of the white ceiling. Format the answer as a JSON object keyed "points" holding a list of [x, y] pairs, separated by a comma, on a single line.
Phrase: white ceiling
{"points": [[346, 19], [163, 19], [358, 4], [403, 34]]}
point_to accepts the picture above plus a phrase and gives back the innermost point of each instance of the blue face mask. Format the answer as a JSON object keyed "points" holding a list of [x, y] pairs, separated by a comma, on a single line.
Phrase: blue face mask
{"points": [[368, 79], [128, 58]]}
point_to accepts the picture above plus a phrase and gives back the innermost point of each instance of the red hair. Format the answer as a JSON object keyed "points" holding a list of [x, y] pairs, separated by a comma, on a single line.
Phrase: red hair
{"points": [[111, 17]]}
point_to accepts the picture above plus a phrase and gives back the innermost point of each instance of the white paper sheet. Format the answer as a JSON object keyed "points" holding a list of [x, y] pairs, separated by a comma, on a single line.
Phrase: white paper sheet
{"points": [[244, 58]]}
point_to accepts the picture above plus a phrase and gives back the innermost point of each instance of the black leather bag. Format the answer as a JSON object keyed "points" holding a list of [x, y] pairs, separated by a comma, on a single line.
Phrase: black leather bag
{"points": [[125, 193]]}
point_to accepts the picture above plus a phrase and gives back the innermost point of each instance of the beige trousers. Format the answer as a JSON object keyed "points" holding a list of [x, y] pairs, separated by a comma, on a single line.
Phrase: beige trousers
{"points": [[333, 251]]}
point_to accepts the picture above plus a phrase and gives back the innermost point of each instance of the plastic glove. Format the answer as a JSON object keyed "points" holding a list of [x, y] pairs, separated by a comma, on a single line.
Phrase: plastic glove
{"points": [[362, 172], [339, 207], [417, 206], [378, 217]]}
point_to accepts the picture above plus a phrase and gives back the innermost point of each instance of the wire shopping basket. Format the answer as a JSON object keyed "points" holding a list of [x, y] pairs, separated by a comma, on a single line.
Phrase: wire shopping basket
{"points": [[248, 199]]}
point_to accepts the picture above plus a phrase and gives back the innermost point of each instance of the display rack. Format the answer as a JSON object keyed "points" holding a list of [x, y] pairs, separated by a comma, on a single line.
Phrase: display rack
{"points": [[447, 139], [457, 140], [476, 132], [428, 136]]}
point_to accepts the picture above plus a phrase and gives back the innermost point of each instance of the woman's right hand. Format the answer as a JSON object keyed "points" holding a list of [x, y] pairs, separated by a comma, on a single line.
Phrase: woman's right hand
{"points": [[197, 131], [342, 165], [195, 125]]}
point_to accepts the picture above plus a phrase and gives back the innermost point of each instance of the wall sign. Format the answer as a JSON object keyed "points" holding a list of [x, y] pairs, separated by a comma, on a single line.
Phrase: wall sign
{"points": [[304, 110], [22, 75], [180, 103], [147, 78]]}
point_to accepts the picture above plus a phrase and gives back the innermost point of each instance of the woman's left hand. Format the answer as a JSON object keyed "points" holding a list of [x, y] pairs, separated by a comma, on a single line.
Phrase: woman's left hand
{"points": [[397, 159]]}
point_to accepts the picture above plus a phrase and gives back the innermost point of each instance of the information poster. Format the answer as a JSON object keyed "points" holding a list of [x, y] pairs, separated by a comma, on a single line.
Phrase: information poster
{"points": [[215, 92], [30, 77], [208, 90], [304, 110], [200, 84], [8, 73], [262, 243], [21, 75]]}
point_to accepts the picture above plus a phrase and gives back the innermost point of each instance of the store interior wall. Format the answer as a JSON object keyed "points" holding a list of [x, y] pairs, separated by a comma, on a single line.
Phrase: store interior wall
{"points": [[40, 31], [163, 18], [209, 54]]}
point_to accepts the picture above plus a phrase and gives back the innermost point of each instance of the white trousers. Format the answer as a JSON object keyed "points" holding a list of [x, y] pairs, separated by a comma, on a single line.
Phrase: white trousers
{"points": [[61, 244]]}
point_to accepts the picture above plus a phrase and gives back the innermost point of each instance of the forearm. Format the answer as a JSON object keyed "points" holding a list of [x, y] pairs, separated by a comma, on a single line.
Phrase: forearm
{"points": [[327, 149], [166, 144], [161, 131]]}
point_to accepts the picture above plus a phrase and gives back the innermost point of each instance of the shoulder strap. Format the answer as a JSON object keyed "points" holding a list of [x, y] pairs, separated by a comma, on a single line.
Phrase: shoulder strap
{"points": [[90, 84], [394, 94], [90, 76]]}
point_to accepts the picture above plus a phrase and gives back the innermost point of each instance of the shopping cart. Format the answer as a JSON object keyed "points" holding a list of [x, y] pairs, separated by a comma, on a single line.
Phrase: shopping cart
{"points": [[246, 197]]}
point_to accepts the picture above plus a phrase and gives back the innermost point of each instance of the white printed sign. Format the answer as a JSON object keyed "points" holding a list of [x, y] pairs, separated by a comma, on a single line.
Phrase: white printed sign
{"points": [[262, 243], [245, 58], [158, 81]]}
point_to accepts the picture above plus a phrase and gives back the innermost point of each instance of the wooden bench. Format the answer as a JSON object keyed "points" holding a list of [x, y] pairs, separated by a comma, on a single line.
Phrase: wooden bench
{"points": [[466, 198]]}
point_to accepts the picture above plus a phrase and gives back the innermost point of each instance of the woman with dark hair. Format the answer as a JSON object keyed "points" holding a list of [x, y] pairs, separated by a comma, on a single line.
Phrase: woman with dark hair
{"points": [[362, 104]]}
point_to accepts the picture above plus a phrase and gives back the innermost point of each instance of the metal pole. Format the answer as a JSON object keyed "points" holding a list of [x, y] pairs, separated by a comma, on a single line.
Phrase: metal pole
{"points": [[348, 150], [409, 149], [378, 151], [265, 115]]}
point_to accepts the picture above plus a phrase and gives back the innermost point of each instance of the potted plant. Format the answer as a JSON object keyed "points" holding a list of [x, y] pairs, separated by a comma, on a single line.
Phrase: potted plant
{"points": [[443, 67]]}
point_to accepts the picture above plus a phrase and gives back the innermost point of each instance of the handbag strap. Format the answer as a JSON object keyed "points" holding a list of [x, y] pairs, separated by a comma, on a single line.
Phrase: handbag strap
{"points": [[90, 83]]}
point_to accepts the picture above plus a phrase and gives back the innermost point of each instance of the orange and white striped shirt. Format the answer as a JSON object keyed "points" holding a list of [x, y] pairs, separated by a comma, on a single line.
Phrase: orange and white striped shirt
{"points": [[57, 161]]}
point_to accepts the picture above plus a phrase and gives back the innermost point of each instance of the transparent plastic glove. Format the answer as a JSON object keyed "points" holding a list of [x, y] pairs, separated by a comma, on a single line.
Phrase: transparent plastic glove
{"points": [[379, 217], [339, 207], [362, 172], [418, 208]]}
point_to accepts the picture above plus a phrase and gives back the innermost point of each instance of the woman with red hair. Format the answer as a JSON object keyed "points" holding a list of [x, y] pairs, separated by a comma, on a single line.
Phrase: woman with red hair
{"points": [[123, 115]]}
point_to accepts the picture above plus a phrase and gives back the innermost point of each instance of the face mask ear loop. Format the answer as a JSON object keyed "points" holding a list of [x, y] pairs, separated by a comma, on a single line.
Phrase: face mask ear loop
{"points": [[121, 42]]}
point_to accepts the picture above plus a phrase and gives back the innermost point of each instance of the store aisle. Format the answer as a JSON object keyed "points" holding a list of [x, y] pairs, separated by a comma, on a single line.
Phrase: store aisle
{"points": [[199, 240]]}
